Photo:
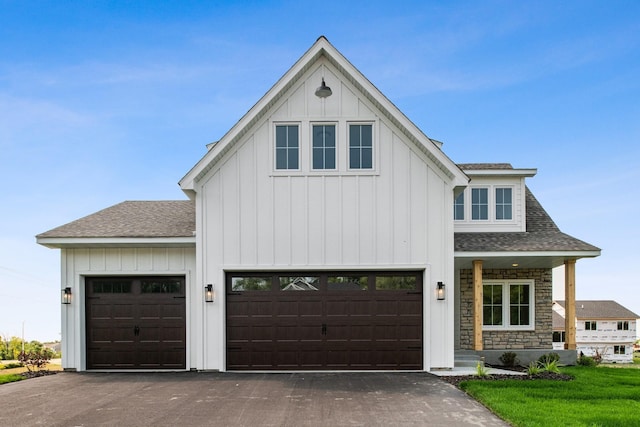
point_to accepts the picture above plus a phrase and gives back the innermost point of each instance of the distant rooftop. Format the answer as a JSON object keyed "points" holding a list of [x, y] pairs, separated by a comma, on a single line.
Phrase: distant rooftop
{"points": [[601, 309]]}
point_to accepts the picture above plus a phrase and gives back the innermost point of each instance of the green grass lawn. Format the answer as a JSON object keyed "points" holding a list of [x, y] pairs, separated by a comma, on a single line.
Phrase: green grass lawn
{"points": [[9, 378], [597, 397]]}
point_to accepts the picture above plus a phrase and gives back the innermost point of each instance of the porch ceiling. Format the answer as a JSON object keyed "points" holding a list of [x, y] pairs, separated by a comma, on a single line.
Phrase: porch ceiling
{"points": [[507, 260]]}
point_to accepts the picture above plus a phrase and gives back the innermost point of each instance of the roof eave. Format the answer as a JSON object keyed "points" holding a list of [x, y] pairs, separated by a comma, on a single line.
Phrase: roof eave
{"points": [[102, 242], [567, 254], [520, 173]]}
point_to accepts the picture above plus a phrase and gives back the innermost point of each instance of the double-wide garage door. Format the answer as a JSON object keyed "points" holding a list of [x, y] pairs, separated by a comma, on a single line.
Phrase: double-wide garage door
{"points": [[135, 323], [316, 321]]}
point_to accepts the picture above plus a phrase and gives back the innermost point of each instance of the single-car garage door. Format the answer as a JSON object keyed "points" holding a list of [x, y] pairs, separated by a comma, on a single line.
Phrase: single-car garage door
{"points": [[318, 321], [135, 322]]}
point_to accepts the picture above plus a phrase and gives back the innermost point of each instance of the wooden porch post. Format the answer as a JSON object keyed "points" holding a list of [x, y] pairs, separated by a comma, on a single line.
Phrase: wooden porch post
{"points": [[570, 304], [477, 305]]}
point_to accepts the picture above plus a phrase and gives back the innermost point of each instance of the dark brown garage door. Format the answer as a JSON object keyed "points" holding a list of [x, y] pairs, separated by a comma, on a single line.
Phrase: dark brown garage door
{"points": [[135, 323], [318, 321]]}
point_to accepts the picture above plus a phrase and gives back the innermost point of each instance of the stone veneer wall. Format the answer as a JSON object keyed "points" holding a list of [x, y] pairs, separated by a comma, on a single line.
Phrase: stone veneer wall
{"points": [[540, 338]]}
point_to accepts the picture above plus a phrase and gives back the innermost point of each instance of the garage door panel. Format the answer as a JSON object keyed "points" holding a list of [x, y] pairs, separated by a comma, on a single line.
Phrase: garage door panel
{"points": [[130, 329], [355, 327]]}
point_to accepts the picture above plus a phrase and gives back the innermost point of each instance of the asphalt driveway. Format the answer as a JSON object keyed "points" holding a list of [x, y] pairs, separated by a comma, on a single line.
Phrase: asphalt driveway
{"points": [[234, 399]]}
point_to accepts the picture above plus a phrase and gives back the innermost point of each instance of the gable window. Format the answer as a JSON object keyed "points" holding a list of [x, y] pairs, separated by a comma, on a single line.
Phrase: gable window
{"points": [[507, 305], [324, 147], [360, 146], [458, 207], [287, 147], [619, 349], [623, 326], [590, 325], [479, 203], [503, 204]]}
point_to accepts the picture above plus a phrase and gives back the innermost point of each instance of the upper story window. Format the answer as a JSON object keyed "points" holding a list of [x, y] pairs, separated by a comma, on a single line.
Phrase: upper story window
{"points": [[458, 207], [590, 325], [508, 305], [287, 147], [504, 204], [360, 146], [324, 147], [623, 326], [479, 203]]}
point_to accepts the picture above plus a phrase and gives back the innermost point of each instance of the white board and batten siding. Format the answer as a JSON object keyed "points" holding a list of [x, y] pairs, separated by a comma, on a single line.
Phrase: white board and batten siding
{"points": [[395, 216], [80, 263]]}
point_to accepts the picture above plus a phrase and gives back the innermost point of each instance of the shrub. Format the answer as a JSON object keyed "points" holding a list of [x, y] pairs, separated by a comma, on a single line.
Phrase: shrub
{"points": [[13, 365], [586, 361], [34, 359], [509, 359], [549, 357]]}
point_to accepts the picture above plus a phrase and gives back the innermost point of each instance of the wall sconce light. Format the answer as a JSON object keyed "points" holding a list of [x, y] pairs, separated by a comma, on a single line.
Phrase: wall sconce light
{"points": [[66, 295], [440, 291], [208, 293], [323, 91]]}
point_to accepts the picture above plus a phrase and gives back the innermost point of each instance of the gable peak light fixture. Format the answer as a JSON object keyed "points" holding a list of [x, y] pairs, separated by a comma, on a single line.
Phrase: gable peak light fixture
{"points": [[323, 91], [440, 291], [66, 295]]}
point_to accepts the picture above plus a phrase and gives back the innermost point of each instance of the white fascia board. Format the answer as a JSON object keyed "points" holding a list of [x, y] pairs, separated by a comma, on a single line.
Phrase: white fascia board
{"points": [[79, 242], [526, 173], [539, 254]]}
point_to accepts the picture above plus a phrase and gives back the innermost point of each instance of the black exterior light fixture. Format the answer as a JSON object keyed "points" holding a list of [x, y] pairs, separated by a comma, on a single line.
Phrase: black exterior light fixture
{"points": [[440, 291], [66, 295], [208, 293], [323, 91]]}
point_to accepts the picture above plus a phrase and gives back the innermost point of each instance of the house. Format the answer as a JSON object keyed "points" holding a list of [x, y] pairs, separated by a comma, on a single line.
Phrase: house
{"points": [[602, 327], [413, 258]]}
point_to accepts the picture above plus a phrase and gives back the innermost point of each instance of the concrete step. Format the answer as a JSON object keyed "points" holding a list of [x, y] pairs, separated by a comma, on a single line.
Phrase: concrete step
{"points": [[467, 359]]}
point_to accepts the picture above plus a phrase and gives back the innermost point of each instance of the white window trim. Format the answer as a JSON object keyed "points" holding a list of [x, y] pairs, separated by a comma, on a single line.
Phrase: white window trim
{"points": [[336, 125], [495, 203], [491, 200], [506, 306], [275, 170], [374, 147]]}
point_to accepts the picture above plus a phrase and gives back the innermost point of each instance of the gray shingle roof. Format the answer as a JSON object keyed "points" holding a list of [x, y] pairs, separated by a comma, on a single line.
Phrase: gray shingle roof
{"points": [[172, 218], [601, 309], [558, 321], [542, 235]]}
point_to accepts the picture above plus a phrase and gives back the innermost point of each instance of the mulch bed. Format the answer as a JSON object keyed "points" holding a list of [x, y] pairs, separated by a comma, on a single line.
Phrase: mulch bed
{"points": [[456, 380], [34, 374]]}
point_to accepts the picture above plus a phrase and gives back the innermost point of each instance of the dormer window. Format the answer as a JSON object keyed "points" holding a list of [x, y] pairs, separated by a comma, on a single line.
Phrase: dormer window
{"points": [[458, 207], [504, 203], [479, 204]]}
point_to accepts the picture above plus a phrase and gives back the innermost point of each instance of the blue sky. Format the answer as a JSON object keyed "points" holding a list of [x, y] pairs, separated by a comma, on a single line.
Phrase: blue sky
{"points": [[106, 101]]}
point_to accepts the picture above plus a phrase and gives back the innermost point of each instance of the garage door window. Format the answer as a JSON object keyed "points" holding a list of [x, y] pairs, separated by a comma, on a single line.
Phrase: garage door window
{"points": [[348, 283], [160, 287], [396, 283], [299, 283], [111, 287], [250, 284]]}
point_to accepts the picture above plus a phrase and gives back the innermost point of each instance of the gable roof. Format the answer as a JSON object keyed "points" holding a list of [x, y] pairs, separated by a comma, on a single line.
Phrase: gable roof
{"points": [[558, 321], [323, 49], [601, 309], [542, 235], [168, 220]]}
